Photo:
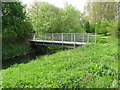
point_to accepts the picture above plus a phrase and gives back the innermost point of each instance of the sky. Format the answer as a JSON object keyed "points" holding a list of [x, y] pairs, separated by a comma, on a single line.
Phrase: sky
{"points": [[78, 4]]}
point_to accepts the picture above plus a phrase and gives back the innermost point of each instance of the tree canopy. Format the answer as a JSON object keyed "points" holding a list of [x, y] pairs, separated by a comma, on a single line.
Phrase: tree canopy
{"points": [[100, 11], [103, 16], [15, 22], [46, 18]]}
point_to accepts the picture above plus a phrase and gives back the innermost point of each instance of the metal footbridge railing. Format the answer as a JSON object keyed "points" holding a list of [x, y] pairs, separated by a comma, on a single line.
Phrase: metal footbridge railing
{"points": [[63, 39]]}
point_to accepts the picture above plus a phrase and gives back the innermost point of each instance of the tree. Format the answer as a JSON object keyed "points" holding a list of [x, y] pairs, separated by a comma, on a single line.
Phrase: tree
{"points": [[15, 22], [99, 11], [44, 17], [107, 27], [87, 27], [47, 18], [72, 20]]}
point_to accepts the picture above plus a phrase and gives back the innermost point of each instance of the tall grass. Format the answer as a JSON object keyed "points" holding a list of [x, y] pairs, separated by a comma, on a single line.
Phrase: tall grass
{"points": [[12, 50]]}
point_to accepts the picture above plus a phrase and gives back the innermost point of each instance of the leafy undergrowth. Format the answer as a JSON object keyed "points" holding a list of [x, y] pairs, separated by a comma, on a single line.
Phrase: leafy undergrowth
{"points": [[89, 66]]}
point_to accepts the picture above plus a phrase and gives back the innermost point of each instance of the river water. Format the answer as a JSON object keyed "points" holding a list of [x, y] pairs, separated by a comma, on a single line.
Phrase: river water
{"points": [[18, 60], [23, 59]]}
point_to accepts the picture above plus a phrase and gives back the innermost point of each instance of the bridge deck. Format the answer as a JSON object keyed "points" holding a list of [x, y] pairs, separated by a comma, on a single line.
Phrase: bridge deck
{"points": [[60, 43], [64, 42]]}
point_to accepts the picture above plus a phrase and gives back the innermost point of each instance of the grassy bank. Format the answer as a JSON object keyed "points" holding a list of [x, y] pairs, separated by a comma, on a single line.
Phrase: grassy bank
{"points": [[89, 66], [12, 50]]}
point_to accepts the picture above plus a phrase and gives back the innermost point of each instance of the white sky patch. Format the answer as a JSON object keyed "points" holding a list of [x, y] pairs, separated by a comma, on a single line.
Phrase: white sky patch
{"points": [[78, 4]]}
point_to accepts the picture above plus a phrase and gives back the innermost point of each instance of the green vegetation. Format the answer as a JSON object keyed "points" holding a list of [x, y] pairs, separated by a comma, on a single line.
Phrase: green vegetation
{"points": [[16, 25], [15, 29], [89, 66], [102, 17], [43, 17], [94, 65], [14, 50], [47, 18], [100, 11], [107, 27]]}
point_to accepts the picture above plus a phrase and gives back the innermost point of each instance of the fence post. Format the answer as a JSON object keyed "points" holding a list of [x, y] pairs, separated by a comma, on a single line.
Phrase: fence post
{"points": [[88, 37], [74, 39]]}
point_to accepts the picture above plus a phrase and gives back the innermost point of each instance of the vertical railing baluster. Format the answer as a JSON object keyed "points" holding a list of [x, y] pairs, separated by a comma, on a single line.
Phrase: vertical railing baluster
{"points": [[62, 39], [43, 39], [74, 39], [83, 38], [71, 37], [52, 38], [95, 37], [35, 38], [88, 37]]}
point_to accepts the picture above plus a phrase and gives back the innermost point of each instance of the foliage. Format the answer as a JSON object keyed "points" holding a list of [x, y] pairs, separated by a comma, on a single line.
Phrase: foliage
{"points": [[102, 16], [107, 27], [87, 27], [88, 66], [14, 50], [100, 11], [15, 22], [47, 18], [16, 29]]}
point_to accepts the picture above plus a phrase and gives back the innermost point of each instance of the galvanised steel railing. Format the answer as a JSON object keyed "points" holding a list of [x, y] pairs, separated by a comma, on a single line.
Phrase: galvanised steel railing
{"points": [[66, 37]]}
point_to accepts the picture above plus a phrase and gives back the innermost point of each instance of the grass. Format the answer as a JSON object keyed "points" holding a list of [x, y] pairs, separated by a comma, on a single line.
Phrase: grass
{"points": [[89, 66], [14, 50]]}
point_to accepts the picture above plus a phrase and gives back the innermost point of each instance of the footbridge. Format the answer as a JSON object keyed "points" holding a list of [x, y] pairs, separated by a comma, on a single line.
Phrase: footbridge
{"points": [[63, 39]]}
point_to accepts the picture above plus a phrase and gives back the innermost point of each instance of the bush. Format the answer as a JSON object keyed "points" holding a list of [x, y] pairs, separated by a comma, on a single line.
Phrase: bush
{"points": [[107, 27]]}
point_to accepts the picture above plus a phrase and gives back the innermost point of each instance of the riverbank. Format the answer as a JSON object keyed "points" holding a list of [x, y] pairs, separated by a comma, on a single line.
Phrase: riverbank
{"points": [[89, 66], [14, 50], [18, 53]]}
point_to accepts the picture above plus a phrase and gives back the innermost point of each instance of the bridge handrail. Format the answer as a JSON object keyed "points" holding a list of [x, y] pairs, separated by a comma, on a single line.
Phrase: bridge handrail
{"points": [[64, 33], [72, 37]]}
